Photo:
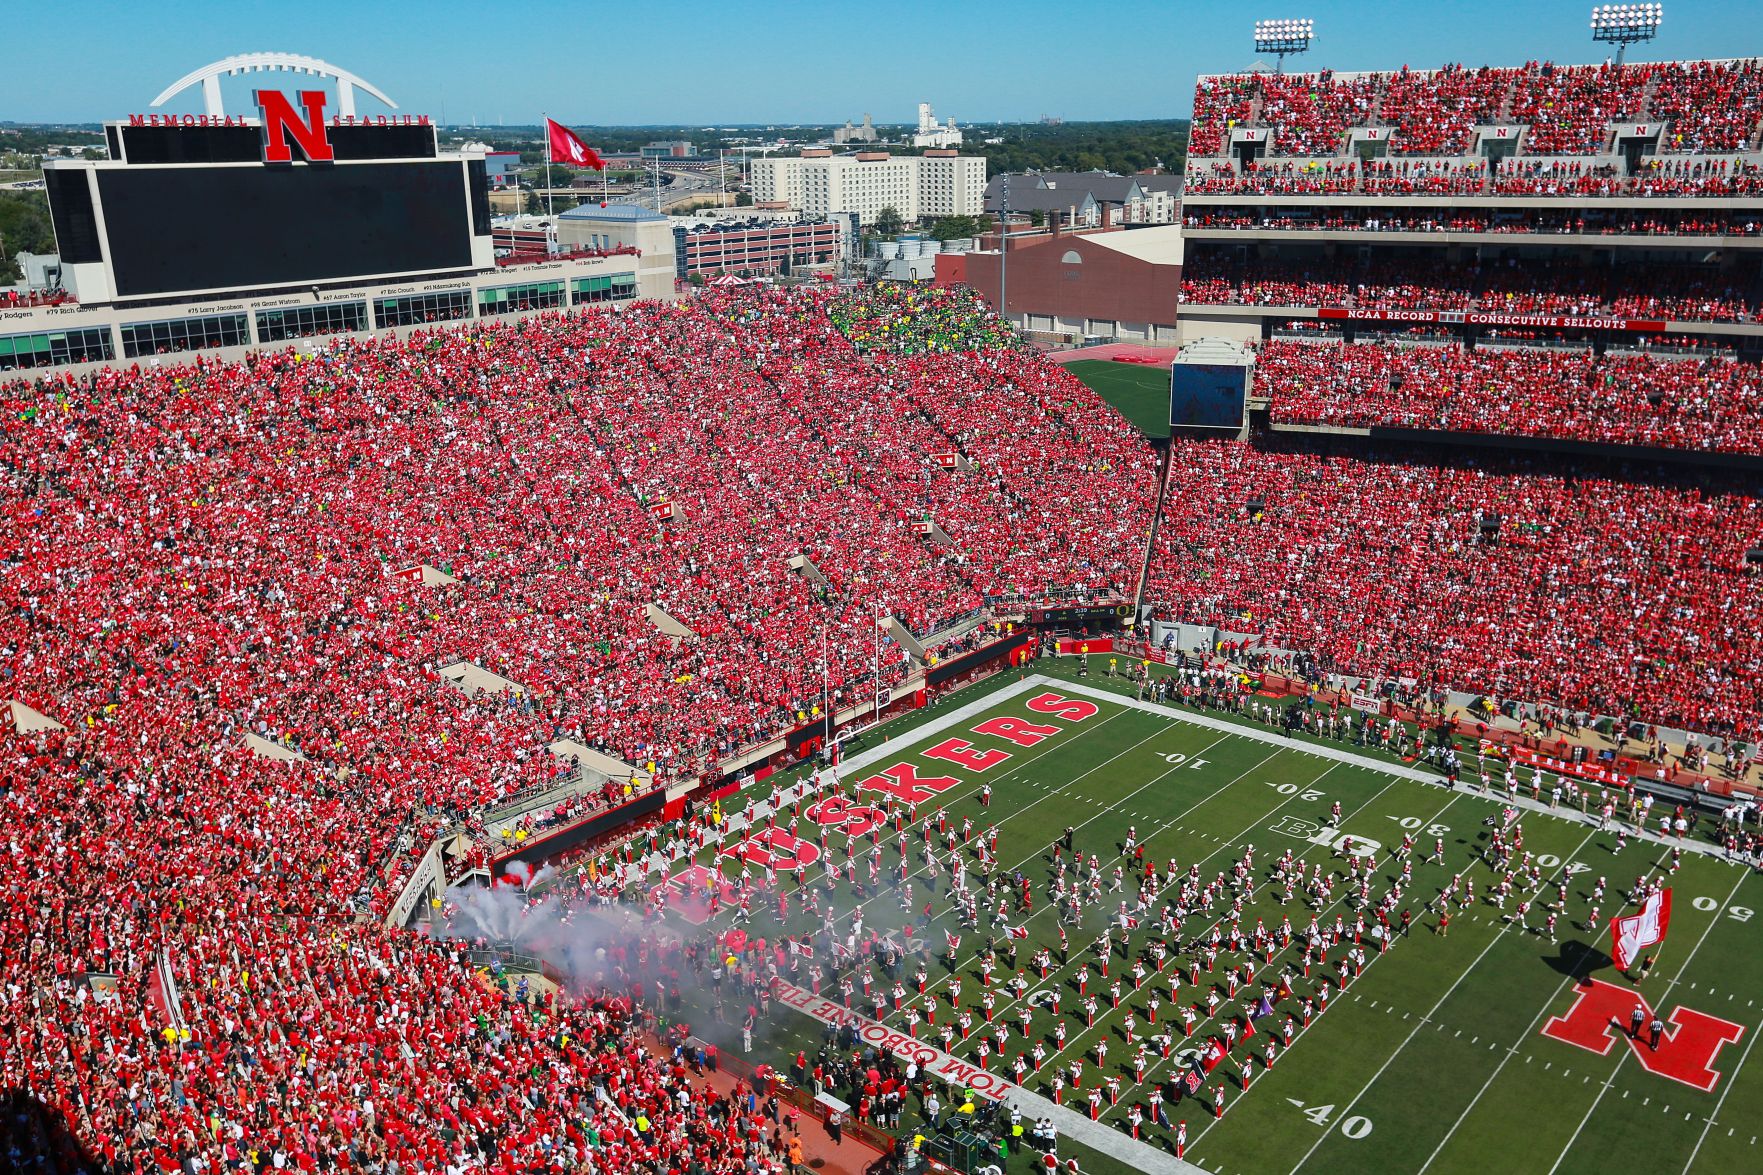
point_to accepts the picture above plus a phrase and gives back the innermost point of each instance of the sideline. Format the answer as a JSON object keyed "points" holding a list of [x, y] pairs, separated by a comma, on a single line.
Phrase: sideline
{"points": [[1522, 803]]}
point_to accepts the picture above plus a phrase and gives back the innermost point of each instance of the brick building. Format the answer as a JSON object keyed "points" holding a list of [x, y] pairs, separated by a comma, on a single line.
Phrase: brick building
{"points": [[1109, 282]]}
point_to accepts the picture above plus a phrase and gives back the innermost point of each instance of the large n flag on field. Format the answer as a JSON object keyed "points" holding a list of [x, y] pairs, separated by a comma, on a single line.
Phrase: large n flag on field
{"points": [[1634, 934], [567, 147]]}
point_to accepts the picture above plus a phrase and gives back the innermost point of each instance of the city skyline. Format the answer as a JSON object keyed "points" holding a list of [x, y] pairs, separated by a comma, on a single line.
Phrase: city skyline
{"points": [[790, 63]]}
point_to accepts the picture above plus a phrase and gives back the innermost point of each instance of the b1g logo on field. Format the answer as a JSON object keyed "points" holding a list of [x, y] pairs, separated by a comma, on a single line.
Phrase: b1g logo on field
{"points": [[1603, 1011]]}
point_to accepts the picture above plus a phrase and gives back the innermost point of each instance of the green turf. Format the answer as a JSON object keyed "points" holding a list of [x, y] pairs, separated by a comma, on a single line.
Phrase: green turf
{"points": [[1140, 392], [1433, 1059]]}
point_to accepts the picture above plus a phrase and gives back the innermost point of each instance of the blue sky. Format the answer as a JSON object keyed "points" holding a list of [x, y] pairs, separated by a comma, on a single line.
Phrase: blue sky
{"points": [[780, 61]]}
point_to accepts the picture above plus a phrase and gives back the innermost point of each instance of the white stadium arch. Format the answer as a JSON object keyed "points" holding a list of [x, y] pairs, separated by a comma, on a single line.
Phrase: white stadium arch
{"points": [[210, 75]]}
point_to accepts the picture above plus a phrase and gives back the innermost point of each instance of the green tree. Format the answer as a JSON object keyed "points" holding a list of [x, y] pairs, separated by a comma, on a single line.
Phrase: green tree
{"points": [[24, 227], [889, 222], [950, 228]]}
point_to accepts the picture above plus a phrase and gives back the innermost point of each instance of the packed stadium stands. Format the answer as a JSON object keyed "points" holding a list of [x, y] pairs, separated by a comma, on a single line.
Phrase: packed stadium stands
{"points": [[1603, 593], [1709, 106], [200, 552], [1658, 221], [1710, 405], [194, 553], [1452, 151], [1673, 292]]}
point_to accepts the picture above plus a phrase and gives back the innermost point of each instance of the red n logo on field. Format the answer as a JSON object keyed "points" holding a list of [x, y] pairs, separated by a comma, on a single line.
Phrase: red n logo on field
{"points": [[280, 121], [1601, 1012]]}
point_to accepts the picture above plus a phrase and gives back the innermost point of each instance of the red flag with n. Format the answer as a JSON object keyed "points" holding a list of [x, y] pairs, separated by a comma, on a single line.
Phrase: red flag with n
{"points": [[162, 993], [1631, 935], [954, 941], [567, 147], [1019, 932]]}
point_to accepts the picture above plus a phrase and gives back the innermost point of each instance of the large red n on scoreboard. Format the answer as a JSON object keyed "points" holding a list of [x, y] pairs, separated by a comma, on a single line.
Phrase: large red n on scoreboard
{"points": [[1601, 1011], [280, 121]]}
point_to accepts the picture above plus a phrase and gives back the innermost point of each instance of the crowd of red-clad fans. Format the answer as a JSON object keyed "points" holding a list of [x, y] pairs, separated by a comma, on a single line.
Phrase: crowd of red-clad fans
{"points": [[1612, 596], [192, 553], [1706, 106], [1659, 176], [1579, 221], [1713, 405], [1691, 293]]}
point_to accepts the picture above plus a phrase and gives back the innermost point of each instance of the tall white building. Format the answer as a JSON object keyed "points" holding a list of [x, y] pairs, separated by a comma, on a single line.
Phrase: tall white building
{"points": [[819, 183], [930, 134]]}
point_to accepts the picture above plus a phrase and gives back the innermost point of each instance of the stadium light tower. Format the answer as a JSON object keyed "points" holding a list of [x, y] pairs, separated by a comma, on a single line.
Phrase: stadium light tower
{"points": [[1623, 25], [1280, 37]]}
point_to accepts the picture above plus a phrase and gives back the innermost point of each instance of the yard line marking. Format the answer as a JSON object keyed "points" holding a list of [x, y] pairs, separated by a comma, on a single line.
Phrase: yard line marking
{"points": [[1473, 862], [1433, 1011], [1663, 1000], [1733, 1080], [1360, 810], [1640, 835], [1038, 852], [1528, 1029], [1057, 973]]}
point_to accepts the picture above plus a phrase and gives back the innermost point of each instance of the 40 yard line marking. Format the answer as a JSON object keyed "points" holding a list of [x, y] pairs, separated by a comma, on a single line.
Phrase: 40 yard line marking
{"points": [[1433, 1011]]}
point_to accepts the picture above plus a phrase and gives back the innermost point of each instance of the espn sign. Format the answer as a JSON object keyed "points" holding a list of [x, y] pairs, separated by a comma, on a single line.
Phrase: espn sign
{"points": [[280, 122]]}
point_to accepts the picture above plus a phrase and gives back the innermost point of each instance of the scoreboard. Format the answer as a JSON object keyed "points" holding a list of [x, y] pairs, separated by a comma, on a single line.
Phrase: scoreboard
{"points": [[298, 226], [182, 211]]}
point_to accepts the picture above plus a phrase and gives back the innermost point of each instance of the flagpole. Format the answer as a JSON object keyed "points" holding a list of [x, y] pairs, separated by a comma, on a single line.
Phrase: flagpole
{"points": [[547, 118]]}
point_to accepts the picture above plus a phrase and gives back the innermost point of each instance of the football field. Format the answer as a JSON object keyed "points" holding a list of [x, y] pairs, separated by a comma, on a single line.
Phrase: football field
{"points": [[1137, 392], [1490, 1043]]}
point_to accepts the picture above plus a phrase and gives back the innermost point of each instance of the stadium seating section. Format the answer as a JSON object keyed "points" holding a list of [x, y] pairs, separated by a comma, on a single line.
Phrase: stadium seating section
{"points": [[1708, 108], [1690, 293], [1712, 405], [195, 552], [1618, 596]]}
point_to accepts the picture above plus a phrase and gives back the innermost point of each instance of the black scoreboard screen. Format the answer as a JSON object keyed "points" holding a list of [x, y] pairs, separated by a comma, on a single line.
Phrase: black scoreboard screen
{"points": [[192, 228]]}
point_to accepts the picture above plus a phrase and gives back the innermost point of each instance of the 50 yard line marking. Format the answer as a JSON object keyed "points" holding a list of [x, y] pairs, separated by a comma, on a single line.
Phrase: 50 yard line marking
{"points": [[1358, 1097], [1713, 921], [1529, 1030]]}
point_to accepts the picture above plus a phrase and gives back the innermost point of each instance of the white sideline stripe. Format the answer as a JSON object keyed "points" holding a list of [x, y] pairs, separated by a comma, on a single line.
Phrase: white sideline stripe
{"points": [[1523, 803]]}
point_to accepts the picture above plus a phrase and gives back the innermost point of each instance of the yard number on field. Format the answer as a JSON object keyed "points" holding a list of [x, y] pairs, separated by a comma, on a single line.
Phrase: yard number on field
{"points": [[1355, 1128], [1413, 823], [1176, 759], [1736, 913], [1291, 789]]}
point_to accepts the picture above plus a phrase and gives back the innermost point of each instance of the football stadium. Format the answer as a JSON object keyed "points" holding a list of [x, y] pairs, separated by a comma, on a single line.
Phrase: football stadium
{"points": [[523, 714]]}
